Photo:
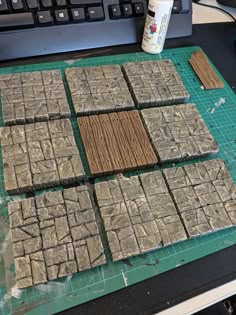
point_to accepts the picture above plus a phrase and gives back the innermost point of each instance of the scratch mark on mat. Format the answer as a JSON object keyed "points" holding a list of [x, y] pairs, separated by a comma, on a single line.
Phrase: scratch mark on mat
{"points": [[124, 278], [220, 102]]}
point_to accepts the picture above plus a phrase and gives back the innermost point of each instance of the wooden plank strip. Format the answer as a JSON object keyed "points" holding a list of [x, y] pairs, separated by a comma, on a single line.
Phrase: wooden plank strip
{"points": [[102, 150], [122, 141], [89, 145], [132, 138], [204, 71], [142, 136], [111, 143]]}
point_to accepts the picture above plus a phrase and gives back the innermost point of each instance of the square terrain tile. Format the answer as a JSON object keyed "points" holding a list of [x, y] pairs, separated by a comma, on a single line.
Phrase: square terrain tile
{"points": [[154, 83], [178, 132], [115, 142], [98, 89], [138, 214], [33, 96], [54, 235], [39, 155], [205, 196]]}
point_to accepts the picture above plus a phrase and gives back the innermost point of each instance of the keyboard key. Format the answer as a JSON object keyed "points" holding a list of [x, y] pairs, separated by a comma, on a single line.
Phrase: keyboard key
{"points": [[46, 3], [138, 9], [3, 6], [115, 12], [127, 10], [61, 16], [61, 3], [44, 18], [78, 15], [84, 2], [95, 13], [16, 20], [32, 4], [17, 5]]}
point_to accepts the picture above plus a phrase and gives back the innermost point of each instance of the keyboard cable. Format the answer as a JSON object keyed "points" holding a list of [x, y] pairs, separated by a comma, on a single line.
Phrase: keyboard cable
{"points": [[214, 7]]}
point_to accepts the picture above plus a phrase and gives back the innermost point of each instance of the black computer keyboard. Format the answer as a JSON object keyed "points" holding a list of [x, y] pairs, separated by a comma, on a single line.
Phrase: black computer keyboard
{"points": [[34, 27]]}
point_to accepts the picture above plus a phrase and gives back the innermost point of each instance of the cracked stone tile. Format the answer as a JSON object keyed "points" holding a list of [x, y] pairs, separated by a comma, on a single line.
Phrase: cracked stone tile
{"points": [[33, 96], [204, 195], [175, 136], [153, 84], [98, 89], [39, 155], [54, 234], [131, 218]]}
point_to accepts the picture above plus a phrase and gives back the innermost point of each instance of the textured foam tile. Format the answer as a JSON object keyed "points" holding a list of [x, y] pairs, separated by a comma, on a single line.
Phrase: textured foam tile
{"points": [[54, 235], [178, 132], [155, 83], [33, 96]]}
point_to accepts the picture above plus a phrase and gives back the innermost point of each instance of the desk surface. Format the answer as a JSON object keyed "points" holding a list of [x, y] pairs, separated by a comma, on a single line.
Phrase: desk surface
{"points": [[177, 285], [209, 15]]}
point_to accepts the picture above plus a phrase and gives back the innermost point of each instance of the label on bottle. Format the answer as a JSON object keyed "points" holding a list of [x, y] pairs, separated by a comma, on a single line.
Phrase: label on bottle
{"points": [[156, 26]]}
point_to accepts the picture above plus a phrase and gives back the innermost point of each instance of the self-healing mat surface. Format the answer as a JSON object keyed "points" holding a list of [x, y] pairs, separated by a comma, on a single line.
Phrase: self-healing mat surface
{"points": [[217, 108]]}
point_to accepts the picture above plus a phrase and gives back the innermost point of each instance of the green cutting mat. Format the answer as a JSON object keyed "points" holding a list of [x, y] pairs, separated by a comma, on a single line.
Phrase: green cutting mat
{"points": [[218, 109]]}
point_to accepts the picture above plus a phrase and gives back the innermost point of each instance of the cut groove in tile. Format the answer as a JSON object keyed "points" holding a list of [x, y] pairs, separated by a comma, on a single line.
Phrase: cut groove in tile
{"points": [[98, 89], [39, 155], [178, 132], [115, 142], [138, 218], [54, 235], [33, 96], [155, 83]]}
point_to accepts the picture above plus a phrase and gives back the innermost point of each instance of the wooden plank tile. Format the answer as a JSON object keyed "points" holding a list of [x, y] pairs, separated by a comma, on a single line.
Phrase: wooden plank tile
{"points": [[132, 138], [105, 159], [122, 141], [204, 71], [112, 145], [90, 145], [143, 138]]}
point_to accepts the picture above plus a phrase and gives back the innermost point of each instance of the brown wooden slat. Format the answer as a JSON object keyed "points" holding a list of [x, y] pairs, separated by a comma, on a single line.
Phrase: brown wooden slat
{"points": [[122, 142], [132, 138], [102, 150], [90, 145], [112, 145], [143, 138], [204, 71]]}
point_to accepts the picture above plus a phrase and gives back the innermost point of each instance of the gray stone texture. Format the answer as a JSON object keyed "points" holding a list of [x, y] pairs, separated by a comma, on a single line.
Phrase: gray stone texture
{"points": [[98, 89], [138, 214], [178, 132], [205, 196], [155, 83], [39, 155], [54, 235], [33, 96]]}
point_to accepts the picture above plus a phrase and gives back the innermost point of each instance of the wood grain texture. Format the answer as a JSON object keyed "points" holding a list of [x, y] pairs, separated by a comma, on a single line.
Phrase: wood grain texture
{"points": [[115, 142], [132, 138], [143, 138], [89, 145], [111, 142], [204, 71], [122, 141]]}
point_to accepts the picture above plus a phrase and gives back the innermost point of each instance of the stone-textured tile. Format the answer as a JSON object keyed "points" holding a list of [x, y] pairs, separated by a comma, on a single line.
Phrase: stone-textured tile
{"points": [[178, 132], [98, 89], [205, 196], [138, 214], [33, 96], [39, 155], [155, 83], [54, 235]]}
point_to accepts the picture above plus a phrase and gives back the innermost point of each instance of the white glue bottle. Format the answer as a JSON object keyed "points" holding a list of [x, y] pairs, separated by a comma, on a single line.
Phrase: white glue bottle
{"points": [[156, 26]]}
